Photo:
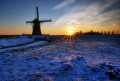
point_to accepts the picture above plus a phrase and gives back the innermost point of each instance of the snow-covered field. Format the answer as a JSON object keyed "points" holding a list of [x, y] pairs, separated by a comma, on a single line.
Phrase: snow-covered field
{"points": [[14, 41], [78, 61]]}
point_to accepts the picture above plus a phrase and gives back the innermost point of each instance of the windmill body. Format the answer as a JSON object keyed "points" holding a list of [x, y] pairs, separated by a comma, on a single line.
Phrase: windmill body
{"points": [[37, 24], [36, 27]]}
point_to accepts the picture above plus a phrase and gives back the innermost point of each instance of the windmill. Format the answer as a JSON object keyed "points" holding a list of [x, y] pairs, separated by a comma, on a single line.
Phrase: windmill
{"points": [[37, 24]]}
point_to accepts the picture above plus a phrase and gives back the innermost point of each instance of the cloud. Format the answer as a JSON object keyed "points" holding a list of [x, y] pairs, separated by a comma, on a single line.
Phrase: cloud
{"points": [[62, 4], [109, 16], [90, 15]]}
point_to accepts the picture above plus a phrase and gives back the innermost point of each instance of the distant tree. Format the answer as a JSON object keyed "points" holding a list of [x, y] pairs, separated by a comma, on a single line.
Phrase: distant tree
{"points": [[113, 32], [105, 32], [77, 33], [102, 32], [92, 33], [81, 32], [108, 33]]}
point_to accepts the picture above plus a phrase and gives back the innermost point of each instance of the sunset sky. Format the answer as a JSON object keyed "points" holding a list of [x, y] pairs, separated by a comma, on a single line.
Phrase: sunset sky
{"points": [[85, 15]]}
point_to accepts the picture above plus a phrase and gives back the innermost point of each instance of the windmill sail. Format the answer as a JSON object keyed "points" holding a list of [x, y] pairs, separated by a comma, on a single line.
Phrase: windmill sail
{"points": [[37, 13]]}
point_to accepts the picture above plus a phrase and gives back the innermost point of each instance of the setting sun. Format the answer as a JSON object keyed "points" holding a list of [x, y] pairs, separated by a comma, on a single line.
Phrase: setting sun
{"points": [[70, 32]]}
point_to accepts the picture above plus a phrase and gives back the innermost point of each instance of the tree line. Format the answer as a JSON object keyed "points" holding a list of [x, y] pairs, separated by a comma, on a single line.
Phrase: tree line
{"points": [[97, 33]]}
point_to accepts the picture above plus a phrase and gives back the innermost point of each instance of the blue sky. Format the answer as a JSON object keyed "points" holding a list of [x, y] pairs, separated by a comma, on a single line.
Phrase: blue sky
{"points": [[77, 14]]}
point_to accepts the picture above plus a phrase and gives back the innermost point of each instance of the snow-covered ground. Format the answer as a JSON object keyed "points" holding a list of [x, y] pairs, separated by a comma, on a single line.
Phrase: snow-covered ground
{"points": [[78, 61], [15, 41], [30, 45]]}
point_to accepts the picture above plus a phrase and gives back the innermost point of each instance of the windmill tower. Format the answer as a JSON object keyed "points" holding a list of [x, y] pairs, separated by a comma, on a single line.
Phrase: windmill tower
{"points": [[37, 24]]}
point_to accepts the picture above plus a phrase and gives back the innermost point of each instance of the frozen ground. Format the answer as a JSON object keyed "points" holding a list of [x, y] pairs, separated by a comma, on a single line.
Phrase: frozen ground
{"points": [[30, 45], [63, 61], [15, 41]]}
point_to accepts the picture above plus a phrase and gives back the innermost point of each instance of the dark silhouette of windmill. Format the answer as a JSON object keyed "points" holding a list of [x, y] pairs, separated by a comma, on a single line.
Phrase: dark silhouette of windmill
{"points": [[37, 24]]}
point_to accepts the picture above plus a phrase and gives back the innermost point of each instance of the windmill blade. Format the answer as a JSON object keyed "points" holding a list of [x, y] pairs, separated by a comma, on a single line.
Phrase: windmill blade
{"points": [[37, 12], [29, 21], [46, 20]]}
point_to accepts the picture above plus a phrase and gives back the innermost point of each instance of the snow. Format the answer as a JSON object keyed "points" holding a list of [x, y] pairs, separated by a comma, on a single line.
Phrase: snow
{"points": [[80, 61], [10, 42], [36, 43]]}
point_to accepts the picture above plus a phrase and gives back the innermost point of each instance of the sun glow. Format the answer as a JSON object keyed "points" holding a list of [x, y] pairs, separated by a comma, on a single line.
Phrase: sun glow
{"points": [[70, 32]]}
